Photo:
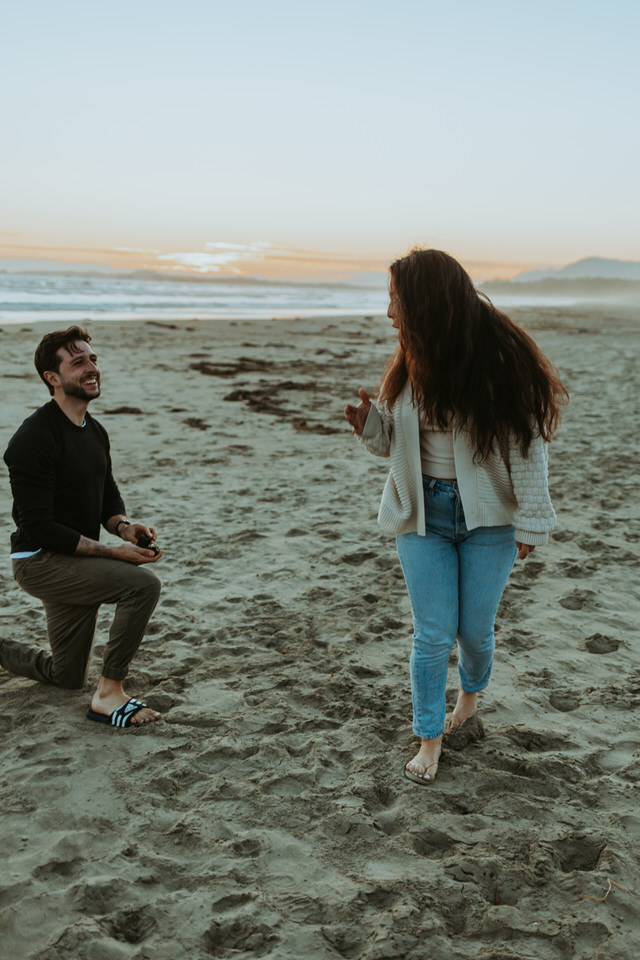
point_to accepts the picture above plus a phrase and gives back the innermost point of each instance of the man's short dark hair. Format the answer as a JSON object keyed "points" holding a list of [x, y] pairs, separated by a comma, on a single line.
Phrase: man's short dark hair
{"points": [[46, 357]]}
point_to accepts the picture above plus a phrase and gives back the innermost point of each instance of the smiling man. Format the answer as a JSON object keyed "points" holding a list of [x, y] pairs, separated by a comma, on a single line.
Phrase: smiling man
{"points": [[63, 491]]}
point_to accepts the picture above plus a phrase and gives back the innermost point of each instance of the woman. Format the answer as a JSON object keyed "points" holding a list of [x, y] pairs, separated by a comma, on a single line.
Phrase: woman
{"points": [[466, 407]]}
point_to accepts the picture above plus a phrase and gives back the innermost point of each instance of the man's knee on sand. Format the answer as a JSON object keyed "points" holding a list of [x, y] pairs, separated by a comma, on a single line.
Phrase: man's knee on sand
{"points": [[71, 676], [37, 663]]}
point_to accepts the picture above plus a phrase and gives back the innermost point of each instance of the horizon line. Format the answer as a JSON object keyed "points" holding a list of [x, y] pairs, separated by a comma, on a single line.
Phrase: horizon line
{"points": [[254, 260]]}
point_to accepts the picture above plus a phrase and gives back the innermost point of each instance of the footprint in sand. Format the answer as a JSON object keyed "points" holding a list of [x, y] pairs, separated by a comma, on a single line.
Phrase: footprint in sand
{"points": [[518, 641], [383, 625], [576, 571], [247, 847], [316, 594], [533, 569], [358, 557], [578, 599], [592, 545], [486, 873], [535, 741], [433, 844], [329, 534], [56, 869], [241, 934], [599, 643], [578, 852], [564, 702], [132, 926], [362, 672], [514, 775], [563, 536]]}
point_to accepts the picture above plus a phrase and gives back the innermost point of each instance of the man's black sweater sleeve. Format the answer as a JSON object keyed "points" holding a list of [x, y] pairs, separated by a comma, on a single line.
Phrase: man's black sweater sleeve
{"points": [[112, 502], [32, 471]]}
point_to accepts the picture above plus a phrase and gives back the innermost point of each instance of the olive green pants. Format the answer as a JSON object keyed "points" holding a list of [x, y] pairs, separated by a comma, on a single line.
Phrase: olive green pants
{"points": [[72, 590]]}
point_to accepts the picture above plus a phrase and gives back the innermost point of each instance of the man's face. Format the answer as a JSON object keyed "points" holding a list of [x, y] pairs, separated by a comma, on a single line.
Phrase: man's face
{"points": [[78, 374]]}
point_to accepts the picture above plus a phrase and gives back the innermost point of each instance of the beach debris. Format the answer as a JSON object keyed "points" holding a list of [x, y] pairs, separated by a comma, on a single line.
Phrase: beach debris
{"points": [[260, 400], [611, 885], [197, 423], [321, 428], [242, 365], [121, 410]]}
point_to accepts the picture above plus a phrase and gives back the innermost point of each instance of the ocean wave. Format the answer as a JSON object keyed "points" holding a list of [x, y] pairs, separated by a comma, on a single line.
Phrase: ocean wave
{"points": [[57, 296]]}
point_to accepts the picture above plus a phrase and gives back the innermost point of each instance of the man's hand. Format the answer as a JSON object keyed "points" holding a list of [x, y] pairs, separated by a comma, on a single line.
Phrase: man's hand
{"points": [[137, 555], [133, 531], [125, 551], [357, 416]]}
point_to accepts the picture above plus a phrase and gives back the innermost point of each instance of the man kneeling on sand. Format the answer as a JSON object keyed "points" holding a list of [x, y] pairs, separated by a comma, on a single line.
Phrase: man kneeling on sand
{"points": [[63, 489]]}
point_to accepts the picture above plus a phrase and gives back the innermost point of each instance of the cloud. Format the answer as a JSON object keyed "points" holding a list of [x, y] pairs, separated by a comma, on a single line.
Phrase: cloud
{"points": [[220, 254]]}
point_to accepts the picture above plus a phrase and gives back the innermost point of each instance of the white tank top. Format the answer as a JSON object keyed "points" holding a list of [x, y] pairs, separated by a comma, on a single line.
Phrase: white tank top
{"points": [[436, 452]]}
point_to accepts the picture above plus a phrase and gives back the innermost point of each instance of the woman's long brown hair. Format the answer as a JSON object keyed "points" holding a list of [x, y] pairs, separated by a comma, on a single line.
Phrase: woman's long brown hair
{"points": [[466, 361]]}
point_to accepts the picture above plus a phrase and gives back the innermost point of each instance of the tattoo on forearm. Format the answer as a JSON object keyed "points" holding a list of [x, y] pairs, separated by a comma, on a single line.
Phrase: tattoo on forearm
{"points": [[91, 548]]}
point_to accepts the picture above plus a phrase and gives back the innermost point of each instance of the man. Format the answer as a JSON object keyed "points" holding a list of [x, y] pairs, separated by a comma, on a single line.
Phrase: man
{"points": [[63, 490]]}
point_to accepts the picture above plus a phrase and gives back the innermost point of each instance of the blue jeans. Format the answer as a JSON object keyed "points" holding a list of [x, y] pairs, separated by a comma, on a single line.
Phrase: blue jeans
{"points": [[455, 578]]}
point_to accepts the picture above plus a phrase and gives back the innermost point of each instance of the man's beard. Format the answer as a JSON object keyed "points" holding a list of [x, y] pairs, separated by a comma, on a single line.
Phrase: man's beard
{"points": [[72, 388]]}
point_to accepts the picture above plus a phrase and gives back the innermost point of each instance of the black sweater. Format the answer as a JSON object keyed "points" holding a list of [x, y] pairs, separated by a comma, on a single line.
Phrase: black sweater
{"points": [[61, 481]]}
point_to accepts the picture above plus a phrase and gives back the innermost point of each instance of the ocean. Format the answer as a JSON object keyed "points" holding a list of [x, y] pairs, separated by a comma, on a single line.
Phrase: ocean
{"points": [[59, 297]]}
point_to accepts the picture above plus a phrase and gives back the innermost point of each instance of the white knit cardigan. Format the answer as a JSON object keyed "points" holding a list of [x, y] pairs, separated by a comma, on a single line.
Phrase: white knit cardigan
{"points": [[492, 493]]}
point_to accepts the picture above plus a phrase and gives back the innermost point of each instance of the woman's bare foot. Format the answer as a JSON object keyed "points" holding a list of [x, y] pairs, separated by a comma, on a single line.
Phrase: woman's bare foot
{"points": [[463, 710], [110, 695], [424, 765]]}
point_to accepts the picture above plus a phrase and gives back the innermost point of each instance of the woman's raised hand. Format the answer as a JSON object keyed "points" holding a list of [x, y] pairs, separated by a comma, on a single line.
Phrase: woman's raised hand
{"points": [[357, 416]]}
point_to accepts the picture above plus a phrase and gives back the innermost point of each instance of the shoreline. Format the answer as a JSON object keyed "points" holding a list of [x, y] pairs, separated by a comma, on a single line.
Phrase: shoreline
{"points": [[157, 317], [9, 319]]}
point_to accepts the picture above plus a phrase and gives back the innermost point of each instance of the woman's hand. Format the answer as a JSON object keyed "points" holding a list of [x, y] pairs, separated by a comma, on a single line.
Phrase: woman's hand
{"points": [[357, 416], [524, 549]]}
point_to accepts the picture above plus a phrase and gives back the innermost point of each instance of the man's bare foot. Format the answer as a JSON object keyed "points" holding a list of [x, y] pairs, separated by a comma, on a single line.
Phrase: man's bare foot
{"points": [[110, 695], [463, 710], [424, 765]]}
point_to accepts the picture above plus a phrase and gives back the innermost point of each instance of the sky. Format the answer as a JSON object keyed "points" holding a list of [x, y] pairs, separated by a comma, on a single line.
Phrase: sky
{"points": [[289, 137]]}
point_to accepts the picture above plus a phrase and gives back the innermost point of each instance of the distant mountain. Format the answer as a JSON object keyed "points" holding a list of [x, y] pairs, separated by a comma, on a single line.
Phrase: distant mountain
{"points": [[565, 290], [591, 268]]}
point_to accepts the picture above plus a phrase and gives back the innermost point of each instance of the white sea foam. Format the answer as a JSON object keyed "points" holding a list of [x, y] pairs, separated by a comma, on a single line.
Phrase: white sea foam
{"points": [[28, 297]]}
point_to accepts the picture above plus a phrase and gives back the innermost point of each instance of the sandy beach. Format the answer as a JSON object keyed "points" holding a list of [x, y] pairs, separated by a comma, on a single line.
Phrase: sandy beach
{"points": [[267, 816]]}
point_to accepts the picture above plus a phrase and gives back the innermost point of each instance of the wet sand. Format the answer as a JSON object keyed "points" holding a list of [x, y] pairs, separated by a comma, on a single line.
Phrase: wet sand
{"points": [[267, 815]]}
